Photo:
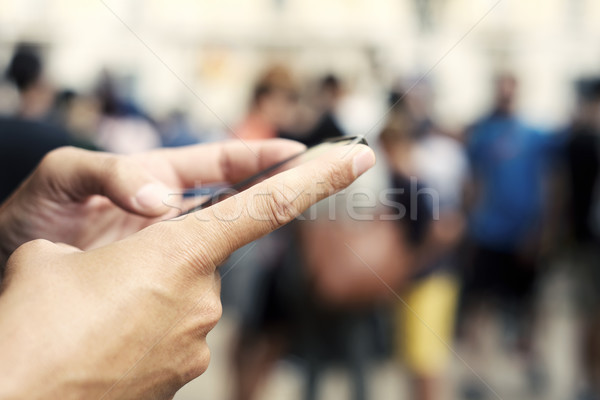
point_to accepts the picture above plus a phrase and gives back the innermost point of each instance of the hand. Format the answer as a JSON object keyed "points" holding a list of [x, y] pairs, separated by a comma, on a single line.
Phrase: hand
{"points": [[88, 199], [130, 319]]}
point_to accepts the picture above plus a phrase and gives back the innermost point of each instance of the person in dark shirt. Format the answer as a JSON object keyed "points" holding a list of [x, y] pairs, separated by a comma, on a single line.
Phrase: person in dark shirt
{"points": [[330, 91], [583, 161], [26, 72], [22, 145], [582, 158], [26, 137]]}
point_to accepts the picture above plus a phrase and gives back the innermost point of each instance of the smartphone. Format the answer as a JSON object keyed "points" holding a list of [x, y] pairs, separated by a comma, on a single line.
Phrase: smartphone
{"points": [[209, 195]]}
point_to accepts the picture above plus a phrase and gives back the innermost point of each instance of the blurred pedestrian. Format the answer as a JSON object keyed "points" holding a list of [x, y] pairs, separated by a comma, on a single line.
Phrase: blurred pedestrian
{"points": [[583, 170], [176, 130], [272, 107], [327, 126], [27, 136], [123, 127], [510, 167], [428, 171]]}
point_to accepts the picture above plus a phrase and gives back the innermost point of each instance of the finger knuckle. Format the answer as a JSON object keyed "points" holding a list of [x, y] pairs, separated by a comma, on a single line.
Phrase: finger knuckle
{"points": [[57, 157], [190, 253], [34, 247], [207, 315], [337, 177], [198, 364], [226, 163], [214, 311], [281, 204], [114, 166], [197, 257], [28, 256]]}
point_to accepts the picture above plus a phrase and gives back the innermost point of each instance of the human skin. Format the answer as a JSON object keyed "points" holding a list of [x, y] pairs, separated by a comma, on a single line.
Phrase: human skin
{"points": [[89, 199], [103, 298]]}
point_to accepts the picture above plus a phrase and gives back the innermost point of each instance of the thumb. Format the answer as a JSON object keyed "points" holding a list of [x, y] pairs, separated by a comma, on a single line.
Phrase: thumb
{"points": [[70, 174]]}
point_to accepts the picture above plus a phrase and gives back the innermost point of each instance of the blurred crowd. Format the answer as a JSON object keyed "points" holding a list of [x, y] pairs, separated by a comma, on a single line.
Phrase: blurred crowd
{"points": [[455, 231]]}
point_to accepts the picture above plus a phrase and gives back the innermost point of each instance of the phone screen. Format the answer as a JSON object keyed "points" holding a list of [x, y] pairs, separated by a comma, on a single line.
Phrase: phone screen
{"points": [[209, 195]]}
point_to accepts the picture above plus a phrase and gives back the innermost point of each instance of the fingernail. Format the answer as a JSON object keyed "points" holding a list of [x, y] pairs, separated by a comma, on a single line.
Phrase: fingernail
{"points": [[151, 196], [363, 161]]}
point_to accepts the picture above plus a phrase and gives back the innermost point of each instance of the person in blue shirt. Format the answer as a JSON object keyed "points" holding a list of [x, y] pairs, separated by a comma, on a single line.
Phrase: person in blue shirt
{"points": [[509, 163]]}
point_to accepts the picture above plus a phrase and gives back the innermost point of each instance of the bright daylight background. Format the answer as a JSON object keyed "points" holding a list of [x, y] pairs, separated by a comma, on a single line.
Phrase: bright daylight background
{"points": [[202, 58]]}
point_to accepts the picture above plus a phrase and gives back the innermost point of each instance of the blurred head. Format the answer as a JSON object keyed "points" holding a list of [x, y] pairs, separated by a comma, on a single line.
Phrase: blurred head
{"points": [[588, 109], [25, 67], [330, 91], [418, 96], [397, 138], [107, 94], [506, 93], [25, 71], [275, 96]]}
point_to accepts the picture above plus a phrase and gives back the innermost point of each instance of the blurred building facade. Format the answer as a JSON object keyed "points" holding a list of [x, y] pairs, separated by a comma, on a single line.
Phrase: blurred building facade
{"points": [[169, 53]]}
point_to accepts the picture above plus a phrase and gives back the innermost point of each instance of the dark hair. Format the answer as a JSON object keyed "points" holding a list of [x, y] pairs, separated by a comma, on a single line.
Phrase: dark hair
{"points": [[396, 98], [588, 89], [330, 82], [25, 67], [261, 90], [275, 78]]}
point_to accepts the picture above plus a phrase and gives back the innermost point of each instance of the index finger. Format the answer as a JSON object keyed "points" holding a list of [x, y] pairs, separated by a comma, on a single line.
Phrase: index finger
{"points": [[206, 238]]}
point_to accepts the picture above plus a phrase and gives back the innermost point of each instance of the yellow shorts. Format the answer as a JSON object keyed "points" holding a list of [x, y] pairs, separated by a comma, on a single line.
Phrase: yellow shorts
{"points": [[425, 322]]}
